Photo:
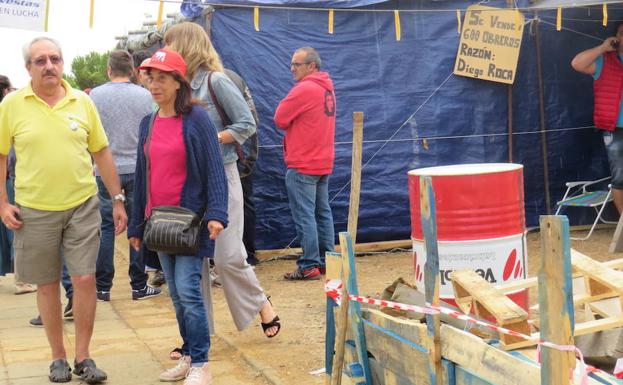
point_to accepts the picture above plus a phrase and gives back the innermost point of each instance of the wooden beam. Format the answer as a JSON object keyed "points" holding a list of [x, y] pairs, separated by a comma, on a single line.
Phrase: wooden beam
{"points": [[334, 271], [599, 278], [355, 176], [508, 287], [598, 325], [341, 323], [556, 300], [431, 277], [485, 361], [354, 310], [368, 247]]}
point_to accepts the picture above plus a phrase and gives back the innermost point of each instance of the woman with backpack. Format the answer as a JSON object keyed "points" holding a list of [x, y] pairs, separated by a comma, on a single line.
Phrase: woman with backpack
{"points": [[225, 104]]}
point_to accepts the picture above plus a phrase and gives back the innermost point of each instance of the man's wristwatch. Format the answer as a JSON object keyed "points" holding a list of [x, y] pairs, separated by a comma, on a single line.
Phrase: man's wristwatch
{"points": [[119, 197]]}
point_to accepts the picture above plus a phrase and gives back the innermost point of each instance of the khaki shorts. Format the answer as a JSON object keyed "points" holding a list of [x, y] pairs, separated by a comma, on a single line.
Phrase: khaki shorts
{"points": [[38, 243]]}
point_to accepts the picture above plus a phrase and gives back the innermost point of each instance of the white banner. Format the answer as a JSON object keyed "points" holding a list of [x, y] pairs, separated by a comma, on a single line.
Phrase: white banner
{"points": [[24, 14]]}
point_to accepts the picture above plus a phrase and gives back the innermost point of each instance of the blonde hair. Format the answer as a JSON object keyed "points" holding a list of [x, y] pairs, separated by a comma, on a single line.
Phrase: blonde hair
{"points": [[193, 43]]}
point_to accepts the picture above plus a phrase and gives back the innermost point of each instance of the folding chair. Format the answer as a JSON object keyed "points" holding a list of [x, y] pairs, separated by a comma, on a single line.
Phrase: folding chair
{"points": [[588, 194]]}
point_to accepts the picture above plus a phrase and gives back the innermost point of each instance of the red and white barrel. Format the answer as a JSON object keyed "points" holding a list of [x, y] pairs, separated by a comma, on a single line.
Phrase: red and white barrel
{"points": [[480, 224]]}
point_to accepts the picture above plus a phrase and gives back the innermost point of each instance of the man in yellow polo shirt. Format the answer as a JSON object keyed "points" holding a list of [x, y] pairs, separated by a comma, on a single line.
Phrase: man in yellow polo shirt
{"points": [[55, 131]]}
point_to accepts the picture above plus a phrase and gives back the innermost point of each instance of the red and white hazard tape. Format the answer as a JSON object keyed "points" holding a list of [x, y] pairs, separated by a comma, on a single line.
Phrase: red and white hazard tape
{"points": [[334, 290]]}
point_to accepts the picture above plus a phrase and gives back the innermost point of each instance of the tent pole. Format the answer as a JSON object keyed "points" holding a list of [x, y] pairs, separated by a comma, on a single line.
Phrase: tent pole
{"points": [[510, 123], [548, 202]]}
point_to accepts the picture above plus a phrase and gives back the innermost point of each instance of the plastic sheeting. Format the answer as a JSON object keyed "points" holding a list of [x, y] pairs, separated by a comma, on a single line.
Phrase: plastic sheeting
{"points": [[408, 93]]}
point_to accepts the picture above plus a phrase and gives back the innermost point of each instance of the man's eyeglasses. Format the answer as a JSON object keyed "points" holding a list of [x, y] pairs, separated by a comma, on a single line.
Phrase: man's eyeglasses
{"points": [[43, 60], [297, 65]]}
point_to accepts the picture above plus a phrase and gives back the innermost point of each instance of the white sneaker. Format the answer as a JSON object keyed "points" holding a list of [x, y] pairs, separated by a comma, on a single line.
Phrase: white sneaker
{"points": [[178, 372], [198, 376], [23, 288]]}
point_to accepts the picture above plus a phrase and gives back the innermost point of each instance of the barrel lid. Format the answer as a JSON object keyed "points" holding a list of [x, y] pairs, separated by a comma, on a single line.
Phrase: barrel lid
{"points": [[466, 169]]}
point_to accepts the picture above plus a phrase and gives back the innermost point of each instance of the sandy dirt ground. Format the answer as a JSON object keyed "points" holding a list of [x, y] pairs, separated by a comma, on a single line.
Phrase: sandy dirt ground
{"points": [[299, 348]]}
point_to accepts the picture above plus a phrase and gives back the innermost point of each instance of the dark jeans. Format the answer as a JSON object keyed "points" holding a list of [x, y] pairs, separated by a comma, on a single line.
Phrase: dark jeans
{"points": [[105, 269], [151, 259], [248, 236], [308, 196]]}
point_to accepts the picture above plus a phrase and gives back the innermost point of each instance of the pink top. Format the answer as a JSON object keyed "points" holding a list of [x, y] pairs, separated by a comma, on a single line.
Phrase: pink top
{"points": [[167, 163]]}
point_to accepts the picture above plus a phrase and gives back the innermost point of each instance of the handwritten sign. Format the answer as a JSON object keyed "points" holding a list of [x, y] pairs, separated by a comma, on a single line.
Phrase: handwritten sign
{"points": [[490, 43], [24, 14]]}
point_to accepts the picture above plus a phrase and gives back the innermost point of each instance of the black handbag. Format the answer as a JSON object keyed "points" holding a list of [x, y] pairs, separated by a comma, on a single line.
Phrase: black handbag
{"points": [[173, 230], [170, 229]]}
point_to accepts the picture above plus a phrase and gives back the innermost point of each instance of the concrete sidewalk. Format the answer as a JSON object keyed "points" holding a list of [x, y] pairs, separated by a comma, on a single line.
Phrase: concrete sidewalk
{"points": [[131, 340]]}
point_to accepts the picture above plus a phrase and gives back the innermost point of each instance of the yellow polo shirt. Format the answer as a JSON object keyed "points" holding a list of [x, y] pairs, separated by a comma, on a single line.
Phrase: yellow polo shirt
{"points": [[54, 171]]}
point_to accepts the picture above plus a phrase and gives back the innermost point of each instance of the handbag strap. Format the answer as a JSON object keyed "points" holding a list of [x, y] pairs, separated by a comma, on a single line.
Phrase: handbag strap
{"points": [[147, 164], [224, 117]]}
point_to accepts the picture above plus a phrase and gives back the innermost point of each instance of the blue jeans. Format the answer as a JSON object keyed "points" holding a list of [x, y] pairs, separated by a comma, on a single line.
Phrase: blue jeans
{"points": [[309, 203], [183, 275], [105, 268]]}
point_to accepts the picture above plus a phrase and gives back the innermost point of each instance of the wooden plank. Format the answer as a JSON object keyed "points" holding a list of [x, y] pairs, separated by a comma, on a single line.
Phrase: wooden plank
{"points": [[465, 377], [606, 308], [556, 300], [342, 324], [355, 176], [354, 310], [431, 276], [597, 325], [616, 246], [496, 304], [599, 278], [334, 271], [485, 361], [368, 247], [397, 344], [508, 287]]}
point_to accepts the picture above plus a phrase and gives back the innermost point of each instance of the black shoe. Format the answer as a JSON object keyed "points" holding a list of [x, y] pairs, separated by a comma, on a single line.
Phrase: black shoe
{"points": [[103, 296], [36, 322], [146, 292], [252, 261], [69, 309], [158, 279], [90, 373]]}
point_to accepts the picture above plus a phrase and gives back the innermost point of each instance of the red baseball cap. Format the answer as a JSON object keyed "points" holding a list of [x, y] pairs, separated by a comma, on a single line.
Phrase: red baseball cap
{"points": [[167, 61]]}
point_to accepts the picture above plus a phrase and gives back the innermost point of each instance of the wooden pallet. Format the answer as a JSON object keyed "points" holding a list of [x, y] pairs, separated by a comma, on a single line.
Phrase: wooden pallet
{"points": [[474, 293]]}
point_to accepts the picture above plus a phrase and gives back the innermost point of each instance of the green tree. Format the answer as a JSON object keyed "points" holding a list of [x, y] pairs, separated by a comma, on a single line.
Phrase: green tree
{"points": [[88, 71]]}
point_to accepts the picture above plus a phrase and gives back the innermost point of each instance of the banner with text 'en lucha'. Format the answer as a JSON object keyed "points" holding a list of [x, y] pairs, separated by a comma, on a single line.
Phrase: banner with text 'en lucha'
{"points": [[490, 43], [24, 14]]}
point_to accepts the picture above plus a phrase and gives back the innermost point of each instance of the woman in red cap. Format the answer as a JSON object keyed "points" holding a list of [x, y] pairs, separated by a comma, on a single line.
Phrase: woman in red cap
{"points": [[185, 169]]}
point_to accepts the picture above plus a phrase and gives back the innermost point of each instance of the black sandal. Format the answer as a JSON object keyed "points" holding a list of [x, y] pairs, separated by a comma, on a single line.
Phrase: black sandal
{"points": [[275, 322], [60, 371], [90, 373]]}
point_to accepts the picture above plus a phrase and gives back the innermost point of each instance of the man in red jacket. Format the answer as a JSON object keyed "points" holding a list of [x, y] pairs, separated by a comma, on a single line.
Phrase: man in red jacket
{"points": [[605, 63], [307, 115]]}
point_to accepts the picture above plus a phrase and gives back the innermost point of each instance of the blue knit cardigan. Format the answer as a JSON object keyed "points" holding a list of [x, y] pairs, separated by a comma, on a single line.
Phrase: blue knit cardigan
{"points": [[205, 188]]}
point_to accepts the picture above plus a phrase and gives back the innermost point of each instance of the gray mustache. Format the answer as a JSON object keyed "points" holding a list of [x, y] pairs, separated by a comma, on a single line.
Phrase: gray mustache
{"points": [[50, 73]]}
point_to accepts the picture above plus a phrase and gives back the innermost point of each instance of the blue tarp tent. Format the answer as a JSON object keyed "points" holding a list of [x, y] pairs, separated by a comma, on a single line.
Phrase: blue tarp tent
{"points": [[417, 113]]}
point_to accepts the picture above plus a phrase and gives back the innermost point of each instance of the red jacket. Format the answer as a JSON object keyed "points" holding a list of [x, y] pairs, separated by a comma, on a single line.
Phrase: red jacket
{"points": [[608, 88], [307, 115]]}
